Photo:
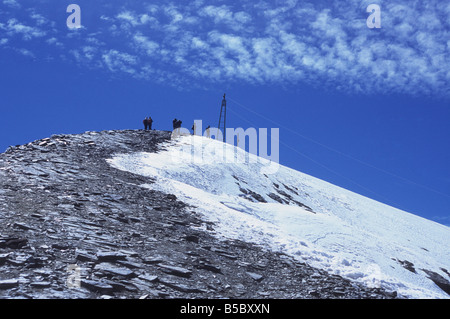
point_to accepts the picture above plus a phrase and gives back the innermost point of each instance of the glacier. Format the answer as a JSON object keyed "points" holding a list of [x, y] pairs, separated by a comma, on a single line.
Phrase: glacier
{"points": [[328, 227]]}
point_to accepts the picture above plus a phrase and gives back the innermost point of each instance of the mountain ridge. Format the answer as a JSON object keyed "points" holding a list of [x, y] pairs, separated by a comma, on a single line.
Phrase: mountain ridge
{"points": [[255, 200], [64, 209]]}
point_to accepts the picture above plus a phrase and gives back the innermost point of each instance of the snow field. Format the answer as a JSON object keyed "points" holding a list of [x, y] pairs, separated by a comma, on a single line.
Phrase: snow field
{"points": [[342, 232]]}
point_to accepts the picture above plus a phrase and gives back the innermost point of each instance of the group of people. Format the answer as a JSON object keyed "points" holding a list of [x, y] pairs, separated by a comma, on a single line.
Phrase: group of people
{"points": [[176, 123], [148, 121]]}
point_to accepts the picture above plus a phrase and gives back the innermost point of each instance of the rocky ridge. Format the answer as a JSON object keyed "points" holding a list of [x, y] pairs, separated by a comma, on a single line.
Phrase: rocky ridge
{"points": [[74, 227]]}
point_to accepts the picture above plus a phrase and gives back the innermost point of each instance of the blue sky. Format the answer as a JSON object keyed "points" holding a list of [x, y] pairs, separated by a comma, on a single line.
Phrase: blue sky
{"points": [[365, 109]]}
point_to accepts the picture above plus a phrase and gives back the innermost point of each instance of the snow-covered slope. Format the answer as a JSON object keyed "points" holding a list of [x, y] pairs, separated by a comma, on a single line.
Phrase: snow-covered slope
{"points": [[326, 226]]}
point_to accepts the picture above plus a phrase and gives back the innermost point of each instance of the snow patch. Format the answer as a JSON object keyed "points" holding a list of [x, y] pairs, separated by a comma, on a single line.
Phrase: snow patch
{"points": [[318, 223]]}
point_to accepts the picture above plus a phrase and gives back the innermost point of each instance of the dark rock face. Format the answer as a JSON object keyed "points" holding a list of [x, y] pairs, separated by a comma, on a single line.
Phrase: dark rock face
{"points": [[407, 265], [440, 281], [71, 226]]}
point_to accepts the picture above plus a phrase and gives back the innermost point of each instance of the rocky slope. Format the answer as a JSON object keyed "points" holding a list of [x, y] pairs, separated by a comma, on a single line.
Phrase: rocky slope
{"points": [[71, 226]]}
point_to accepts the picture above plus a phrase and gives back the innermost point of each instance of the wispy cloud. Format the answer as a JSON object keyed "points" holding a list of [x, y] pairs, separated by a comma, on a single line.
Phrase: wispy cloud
{"points": [[148, 46], [120, 61], [324, 44], [12, 3], [223, 15], [14, 27], [26, 52]]}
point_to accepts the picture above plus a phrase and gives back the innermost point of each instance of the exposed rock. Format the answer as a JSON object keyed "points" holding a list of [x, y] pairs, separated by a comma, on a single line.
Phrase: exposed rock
{"points": [[23, 226], [210, 267], [9, 283], [148, 278], [171, 197], [277, 198], [97, 286], [115, 271], [40, 284], [224, 253], [84, 256], [60, 246], [407, 265], [111, 256], [192, 238], [68, 217], [177, 271], [4, 258], [13, 242], [256, 196], [255, 276], [440, 281], [153, 260], [181, 287], [338, 292], [446, 271]]}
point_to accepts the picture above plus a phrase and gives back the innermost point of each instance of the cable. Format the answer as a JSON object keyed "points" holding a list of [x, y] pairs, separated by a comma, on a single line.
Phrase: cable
{"points": [[322, 165], [337, 151]]}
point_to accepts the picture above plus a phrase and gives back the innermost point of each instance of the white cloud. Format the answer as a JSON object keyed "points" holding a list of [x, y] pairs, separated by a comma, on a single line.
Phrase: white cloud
{"points": [[145, 44], [15, 27], [128, 17], [53, 40], [198, 43], [120, 61], [233, 44], [26, 52], [12, 3], [294, 41], [286, 41], [225, 16], [173, 13], [146, 19], [40, 20]]}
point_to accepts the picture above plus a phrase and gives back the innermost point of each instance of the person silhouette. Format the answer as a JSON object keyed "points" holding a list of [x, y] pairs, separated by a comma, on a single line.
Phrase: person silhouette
{"points": [[149, 123], [145, 121]]}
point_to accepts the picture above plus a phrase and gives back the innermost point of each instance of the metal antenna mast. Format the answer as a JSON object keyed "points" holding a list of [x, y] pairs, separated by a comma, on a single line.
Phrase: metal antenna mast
{"points": [[223, 110]]}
